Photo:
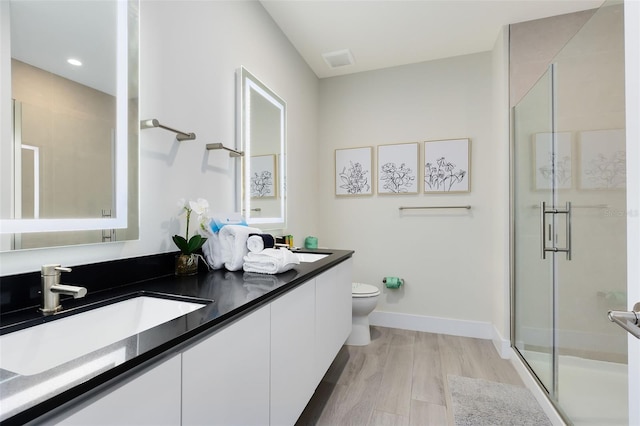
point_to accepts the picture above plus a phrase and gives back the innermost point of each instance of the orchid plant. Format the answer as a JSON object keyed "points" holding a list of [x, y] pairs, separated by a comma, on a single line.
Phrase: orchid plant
{"points": [[189, 245]]}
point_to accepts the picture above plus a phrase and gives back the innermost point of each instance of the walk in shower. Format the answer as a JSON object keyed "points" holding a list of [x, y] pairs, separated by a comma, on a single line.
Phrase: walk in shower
{"points": [[569, 224]]}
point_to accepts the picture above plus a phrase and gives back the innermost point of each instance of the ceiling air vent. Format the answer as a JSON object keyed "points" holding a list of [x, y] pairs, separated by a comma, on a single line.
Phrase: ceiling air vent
{"points": [[339, 58]]}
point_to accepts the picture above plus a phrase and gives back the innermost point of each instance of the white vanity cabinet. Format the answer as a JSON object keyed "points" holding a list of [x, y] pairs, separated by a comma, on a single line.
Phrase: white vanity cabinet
{"points": [[292, 353], [225, 377], [152, 398], [309, 325], [261, 369], [333, 314]]}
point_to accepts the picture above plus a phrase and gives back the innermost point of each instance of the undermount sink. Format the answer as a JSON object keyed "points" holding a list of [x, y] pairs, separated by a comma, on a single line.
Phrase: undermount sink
{"points": [[310, 257], [44, 346]]}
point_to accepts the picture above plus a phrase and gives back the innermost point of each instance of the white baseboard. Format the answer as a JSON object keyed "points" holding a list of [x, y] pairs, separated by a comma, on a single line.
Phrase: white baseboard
{"points": [[502, 345], [454, 327]]}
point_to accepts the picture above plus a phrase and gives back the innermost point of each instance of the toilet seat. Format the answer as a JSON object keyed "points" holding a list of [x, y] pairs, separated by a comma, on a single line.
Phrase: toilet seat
{"points": [[364, 290]]}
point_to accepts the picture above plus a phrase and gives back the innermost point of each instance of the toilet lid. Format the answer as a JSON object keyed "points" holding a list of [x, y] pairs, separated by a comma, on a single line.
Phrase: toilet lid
{"points": [[364, 290]]}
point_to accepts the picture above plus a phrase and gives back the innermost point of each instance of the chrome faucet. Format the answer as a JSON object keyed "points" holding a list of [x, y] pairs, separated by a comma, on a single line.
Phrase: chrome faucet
{"points": [[52, 289]]}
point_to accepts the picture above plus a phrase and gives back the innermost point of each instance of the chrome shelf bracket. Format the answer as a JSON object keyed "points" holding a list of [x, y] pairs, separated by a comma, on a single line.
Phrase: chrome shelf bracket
{"points": [[232, 152], [181, 136]]}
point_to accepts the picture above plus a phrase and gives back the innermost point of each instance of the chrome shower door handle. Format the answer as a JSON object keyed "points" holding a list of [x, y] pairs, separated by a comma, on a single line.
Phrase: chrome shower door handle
{"points": [[543, 227], [567, 216], [543, 224], [629, 320]]}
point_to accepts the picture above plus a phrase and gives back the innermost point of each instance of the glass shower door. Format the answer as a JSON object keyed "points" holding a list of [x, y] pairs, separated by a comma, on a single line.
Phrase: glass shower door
{"points": [[533, 171], [570, 216]]}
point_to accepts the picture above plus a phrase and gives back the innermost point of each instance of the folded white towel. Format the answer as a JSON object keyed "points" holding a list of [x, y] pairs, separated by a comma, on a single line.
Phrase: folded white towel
{"points": [[233, 245], [270, 261]]}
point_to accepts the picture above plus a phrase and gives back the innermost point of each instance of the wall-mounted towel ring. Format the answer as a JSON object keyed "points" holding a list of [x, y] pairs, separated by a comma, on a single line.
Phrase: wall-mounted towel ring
{"points": [[181, 136]]}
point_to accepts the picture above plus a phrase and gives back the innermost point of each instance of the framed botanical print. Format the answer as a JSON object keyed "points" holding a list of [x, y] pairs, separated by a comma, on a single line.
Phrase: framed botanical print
{"points": [[603, 159], [398, 168], [263, 175], [353, 171], [447, 166], [553, 160]]}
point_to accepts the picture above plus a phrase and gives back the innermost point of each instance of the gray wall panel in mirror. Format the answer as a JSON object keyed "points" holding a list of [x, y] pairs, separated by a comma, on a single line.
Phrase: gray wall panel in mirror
{"points": [[71, 156], [262, 134]]}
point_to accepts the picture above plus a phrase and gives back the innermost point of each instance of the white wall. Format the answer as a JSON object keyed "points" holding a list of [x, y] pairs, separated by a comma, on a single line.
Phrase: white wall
{"points": [[448, 258], [501, 243], [189, 53]]}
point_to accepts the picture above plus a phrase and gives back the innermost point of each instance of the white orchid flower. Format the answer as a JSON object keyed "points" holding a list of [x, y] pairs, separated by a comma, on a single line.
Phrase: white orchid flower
{"points": [[182, 203], [200, 206]]}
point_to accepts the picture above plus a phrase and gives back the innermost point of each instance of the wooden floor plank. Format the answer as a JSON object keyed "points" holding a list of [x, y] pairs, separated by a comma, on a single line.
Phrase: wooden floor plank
{"points": [[381, 418], [401, 379], [424, 413], [394, 394], [427, 383]]}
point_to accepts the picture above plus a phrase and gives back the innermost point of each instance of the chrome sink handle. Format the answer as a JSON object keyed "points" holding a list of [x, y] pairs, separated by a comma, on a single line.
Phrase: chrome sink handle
{"points": [[52, 289]]}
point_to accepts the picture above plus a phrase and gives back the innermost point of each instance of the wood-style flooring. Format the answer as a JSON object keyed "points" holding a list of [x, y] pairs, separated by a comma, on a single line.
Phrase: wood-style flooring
{"points": [[401, 379]]}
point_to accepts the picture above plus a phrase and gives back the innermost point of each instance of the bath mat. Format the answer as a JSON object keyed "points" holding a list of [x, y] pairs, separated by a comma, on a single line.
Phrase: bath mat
{"points": [[479, 402]]}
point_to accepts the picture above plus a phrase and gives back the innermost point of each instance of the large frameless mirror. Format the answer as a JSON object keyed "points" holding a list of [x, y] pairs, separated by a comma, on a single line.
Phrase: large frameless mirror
{"points": [[70, 161], [262, 135]]}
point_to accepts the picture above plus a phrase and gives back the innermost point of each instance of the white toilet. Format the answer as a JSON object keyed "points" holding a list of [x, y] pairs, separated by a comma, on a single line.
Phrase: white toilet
{"points": [[364, 299]]}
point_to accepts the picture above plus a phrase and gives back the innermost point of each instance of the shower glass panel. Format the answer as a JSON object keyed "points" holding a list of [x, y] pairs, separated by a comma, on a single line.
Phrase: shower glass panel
{"points": [[590, 103], [569, 152], [532, 165]]}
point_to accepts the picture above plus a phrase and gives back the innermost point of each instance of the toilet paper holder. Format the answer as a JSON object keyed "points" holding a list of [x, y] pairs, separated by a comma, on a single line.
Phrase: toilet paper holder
{"points": [[393, 282]]}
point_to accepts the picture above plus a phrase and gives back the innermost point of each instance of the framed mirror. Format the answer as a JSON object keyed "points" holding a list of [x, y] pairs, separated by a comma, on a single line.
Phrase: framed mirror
{"points": [[262, 134], [70, 159]]}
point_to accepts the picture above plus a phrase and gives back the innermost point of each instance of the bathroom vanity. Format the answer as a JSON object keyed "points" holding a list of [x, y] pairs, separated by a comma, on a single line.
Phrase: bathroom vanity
{"points": [[252, 351]]}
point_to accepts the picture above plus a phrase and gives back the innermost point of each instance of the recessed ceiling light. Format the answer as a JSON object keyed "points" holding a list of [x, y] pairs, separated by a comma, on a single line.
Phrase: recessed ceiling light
{"points": [[74, 62]]}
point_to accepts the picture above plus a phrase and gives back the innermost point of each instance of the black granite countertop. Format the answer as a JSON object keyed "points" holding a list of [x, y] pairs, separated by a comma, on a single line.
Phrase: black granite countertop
{"points": [[228, 296]]}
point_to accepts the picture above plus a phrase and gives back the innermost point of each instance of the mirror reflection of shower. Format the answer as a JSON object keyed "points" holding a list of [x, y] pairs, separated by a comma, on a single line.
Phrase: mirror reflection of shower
{"points": [[64, 160]]}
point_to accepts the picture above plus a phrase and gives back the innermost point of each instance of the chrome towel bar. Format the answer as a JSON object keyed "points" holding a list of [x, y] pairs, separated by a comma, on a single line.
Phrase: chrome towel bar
{"points": [[434, 207], [181, 136], [586, 206]]}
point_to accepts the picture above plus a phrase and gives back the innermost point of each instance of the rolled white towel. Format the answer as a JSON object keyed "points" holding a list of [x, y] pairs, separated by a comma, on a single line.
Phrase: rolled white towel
{"points": [[270, 261], [258, 242], [233, 245]]}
